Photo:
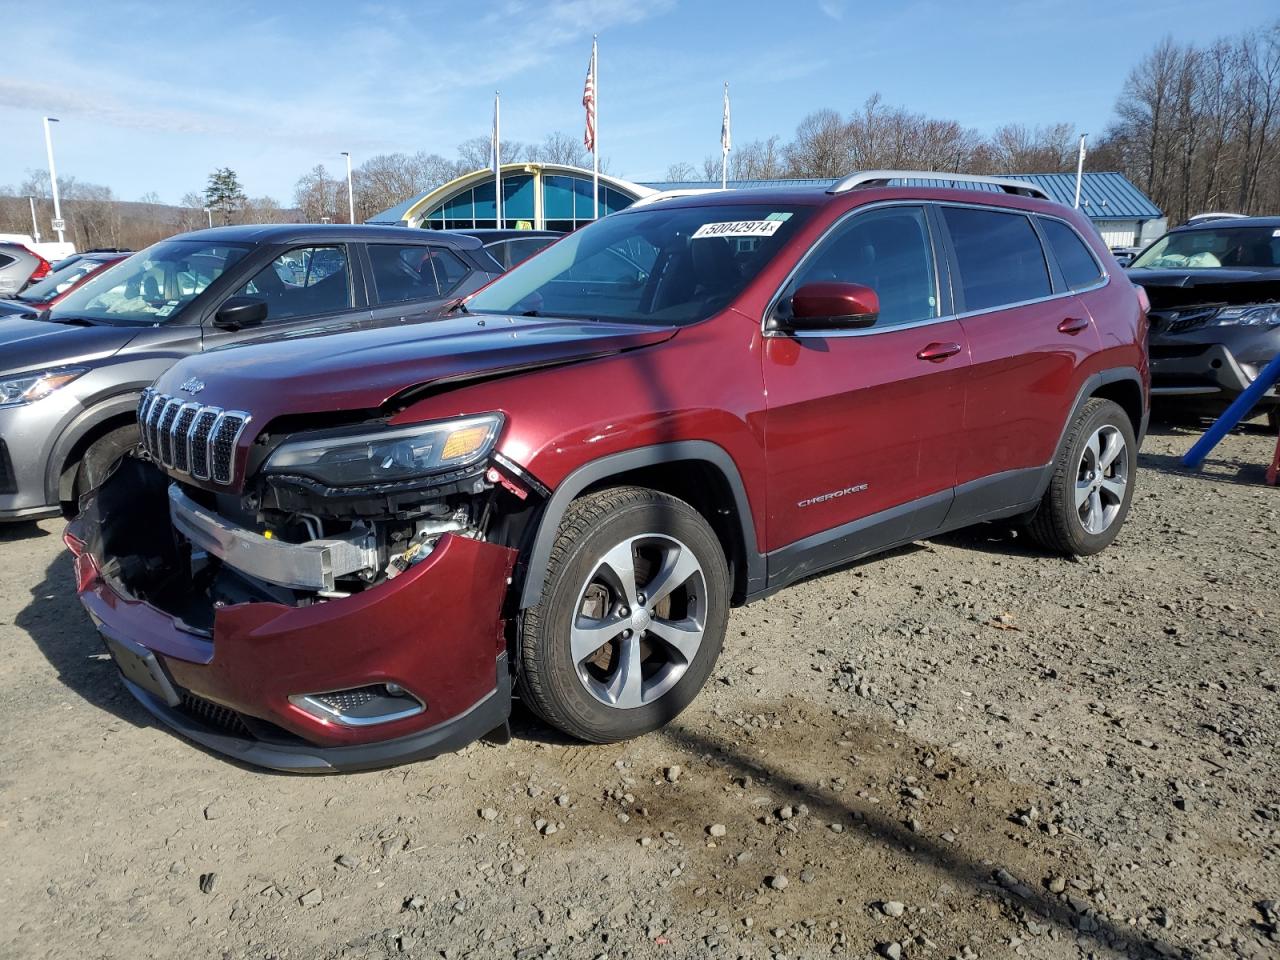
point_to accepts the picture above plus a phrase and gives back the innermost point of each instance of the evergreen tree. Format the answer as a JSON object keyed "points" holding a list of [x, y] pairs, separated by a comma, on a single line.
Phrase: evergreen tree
{"points": [[224, 193]]}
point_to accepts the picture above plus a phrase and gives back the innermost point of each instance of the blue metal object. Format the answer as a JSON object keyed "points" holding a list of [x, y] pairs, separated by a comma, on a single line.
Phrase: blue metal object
{"points": [[1267, 378]]}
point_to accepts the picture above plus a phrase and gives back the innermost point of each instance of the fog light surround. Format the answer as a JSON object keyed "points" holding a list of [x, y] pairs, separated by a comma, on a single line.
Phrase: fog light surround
{"points": [[364, 706]]}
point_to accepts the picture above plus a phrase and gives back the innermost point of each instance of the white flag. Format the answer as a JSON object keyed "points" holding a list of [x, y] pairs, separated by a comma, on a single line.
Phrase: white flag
{"points": [[726, 140]]}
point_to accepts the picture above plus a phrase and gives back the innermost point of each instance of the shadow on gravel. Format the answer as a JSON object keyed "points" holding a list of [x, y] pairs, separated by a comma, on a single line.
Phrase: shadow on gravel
{"points": [[62, 631], [978, 876], [1246, 474], [21, 530]]}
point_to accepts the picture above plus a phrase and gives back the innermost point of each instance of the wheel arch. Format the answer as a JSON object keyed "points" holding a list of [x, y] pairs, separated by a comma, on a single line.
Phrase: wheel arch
{"points": [[1122, 385], [82, 432], [697, 471]]}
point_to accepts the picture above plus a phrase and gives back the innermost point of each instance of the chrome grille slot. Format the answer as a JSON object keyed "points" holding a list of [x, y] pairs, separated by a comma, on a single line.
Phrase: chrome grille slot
{"points": [[191, 438], [201, 427], [182, 436]]}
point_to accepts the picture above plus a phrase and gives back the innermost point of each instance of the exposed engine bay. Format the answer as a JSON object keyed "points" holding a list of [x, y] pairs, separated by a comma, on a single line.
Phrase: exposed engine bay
{"points": [[286, 539]]}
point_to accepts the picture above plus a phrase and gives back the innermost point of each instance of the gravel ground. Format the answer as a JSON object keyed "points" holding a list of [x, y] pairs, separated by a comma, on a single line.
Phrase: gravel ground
{"points": [[964, 749]]}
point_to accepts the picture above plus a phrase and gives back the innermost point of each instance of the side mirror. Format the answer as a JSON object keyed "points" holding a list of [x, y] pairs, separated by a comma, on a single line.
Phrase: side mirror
{"points": [[831, 305], [238, 312]]}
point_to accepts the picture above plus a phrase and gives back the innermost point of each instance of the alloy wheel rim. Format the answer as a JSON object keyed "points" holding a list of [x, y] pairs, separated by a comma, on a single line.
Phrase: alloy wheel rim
{"points": [[639, 621], [1102, 479]]}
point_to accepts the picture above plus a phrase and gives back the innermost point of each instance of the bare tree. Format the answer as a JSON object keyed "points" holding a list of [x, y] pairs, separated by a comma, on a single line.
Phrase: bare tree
{"points": [[681, 172], [562, 148], [316, 195]]}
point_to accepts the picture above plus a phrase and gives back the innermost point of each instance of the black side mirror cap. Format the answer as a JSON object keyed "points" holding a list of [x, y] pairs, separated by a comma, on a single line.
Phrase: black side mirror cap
{"points": [[239, 312]]}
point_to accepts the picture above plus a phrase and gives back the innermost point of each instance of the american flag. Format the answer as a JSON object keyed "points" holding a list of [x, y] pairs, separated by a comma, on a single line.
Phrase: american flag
{"points": [[589, 101]]}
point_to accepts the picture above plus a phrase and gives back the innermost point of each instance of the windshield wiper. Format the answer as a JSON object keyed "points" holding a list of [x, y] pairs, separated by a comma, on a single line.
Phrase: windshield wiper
{"points": [[47, 315], [457, 306]]}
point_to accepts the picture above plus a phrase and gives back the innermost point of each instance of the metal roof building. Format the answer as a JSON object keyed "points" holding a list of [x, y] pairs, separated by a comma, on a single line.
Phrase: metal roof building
{"points": [[1122, 214], [559, 198]]}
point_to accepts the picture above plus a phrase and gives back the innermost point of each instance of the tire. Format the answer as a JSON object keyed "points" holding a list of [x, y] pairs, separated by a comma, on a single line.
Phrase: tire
{"points": [[1066, 524], [101, 457], [594, 696]]}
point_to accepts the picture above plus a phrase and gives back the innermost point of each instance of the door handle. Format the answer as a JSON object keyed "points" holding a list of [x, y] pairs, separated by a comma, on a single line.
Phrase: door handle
{"points": [[937, 352], [1073, 325]]}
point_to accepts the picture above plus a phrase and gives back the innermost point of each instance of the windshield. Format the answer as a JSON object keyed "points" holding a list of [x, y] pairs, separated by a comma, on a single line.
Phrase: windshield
{"points": [[656, 265], [59, 280], [152, 286], [1212, 248]]}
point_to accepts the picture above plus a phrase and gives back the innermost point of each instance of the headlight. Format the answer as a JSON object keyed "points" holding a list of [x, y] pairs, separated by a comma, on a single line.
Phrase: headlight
{"points": [[29, 387], [389, 455], [1263, 315]]}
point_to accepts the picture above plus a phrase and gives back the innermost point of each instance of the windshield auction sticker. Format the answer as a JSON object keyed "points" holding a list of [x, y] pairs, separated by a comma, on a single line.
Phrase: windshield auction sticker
{"points": [[738, 228]]}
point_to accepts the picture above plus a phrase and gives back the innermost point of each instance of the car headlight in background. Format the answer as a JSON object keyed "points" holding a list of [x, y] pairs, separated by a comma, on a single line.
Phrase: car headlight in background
{"points": [[1262, 315], [29, 387], [388, 455]]}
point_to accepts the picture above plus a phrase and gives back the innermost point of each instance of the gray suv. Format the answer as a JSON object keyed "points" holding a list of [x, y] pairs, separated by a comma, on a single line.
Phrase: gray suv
{"points": [[71, 377]]}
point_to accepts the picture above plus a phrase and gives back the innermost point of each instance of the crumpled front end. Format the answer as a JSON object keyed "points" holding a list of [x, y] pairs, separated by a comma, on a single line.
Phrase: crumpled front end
{"points": [[301, 643]]}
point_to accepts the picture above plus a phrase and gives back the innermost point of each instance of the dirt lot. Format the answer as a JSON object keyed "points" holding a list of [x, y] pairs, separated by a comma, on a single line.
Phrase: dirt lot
{"points": [[963, 749]]}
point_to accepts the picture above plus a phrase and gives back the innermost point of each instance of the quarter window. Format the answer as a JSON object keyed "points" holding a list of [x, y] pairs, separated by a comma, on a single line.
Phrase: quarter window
{"points": [[449, 268], [305, 282], [999, 255], [1078, 266], [887, 250]]}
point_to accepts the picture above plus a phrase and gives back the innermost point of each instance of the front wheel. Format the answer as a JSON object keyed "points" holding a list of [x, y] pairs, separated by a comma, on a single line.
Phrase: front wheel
{"points": [[632, 616], [102, 456], [1092, 483]]}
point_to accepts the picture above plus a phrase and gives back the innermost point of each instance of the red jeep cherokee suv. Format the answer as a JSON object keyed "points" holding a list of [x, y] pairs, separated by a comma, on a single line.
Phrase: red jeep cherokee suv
{"points": [[345, 551]]}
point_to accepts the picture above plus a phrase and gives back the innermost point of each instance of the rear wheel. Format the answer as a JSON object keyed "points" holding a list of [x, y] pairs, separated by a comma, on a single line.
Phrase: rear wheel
{"points": [[632, 616], [1092, 484]]}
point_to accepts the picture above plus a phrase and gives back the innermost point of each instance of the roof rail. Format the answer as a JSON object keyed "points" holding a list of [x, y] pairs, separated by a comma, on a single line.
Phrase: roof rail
{"points": [[882, 178]]}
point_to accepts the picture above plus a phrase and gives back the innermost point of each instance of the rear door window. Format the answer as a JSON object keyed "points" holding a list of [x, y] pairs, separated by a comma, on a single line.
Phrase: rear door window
{"points": [[403, 272], [305, 282], [999, 255], [888, 250], [1078, 266]]}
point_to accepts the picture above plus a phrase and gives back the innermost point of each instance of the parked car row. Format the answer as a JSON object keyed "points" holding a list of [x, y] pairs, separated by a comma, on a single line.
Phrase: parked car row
{"points": [[88, 355], [329, 537]]}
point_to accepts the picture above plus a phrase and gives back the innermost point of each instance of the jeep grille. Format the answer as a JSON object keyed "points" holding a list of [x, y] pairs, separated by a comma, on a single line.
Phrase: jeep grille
{"points": [[189, 437]]}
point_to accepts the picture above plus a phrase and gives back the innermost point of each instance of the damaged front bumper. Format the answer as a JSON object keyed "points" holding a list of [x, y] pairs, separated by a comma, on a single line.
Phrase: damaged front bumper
{"points": [[303, 688]]}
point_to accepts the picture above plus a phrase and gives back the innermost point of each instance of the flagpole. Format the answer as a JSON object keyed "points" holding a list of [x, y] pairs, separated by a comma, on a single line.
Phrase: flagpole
{"points": [[595, 124], [1080, 170], [497, 160]]}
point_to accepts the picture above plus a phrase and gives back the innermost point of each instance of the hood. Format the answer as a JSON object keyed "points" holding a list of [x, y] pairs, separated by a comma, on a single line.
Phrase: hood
{"points": [[9, 307], [363, 370], [28, 344], [1180, 288]]}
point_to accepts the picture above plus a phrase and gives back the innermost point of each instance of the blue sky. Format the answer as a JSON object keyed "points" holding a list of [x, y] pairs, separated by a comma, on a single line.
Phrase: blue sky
{"points": [[154, 95]]}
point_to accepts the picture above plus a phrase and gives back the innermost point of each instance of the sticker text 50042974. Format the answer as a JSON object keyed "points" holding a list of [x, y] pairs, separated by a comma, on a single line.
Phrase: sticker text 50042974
{"points": [[738, 228]]}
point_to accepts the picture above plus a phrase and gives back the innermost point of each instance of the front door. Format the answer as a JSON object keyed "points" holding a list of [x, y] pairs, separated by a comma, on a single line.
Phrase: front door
{"points": [[862, 426], [307, 290]]}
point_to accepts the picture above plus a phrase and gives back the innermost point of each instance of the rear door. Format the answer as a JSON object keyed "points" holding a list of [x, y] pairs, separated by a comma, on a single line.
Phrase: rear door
{"points": [[1028, 334], [862, 425], [310, 288], [411, 281]]}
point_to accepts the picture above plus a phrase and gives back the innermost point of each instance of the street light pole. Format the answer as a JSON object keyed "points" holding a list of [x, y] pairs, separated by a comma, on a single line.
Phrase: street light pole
{"points": [[35, 224], [209, 213], [351, 196], [53, 179]]}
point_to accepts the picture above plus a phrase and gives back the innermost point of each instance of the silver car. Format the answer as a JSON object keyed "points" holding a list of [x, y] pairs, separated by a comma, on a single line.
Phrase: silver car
{"points": [[17, 266]]}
